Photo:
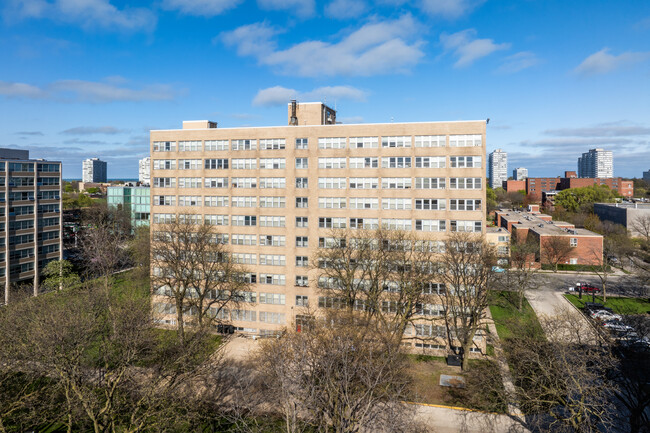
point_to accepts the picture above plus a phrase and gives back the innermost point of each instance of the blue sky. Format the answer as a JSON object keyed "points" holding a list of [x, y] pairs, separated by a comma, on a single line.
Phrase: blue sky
{"points": [[86, 78]]}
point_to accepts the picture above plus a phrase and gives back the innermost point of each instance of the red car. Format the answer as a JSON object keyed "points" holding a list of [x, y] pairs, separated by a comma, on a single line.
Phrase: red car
{"points": [[587, 288]]}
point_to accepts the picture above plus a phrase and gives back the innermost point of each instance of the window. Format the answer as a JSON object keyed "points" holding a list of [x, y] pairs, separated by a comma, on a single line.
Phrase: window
{"points": [[302, 241], [364, 203], [189, 146], [464, 183], [212, 145], [277, 318], [331, 163], [332, 183], [326, 242], [364, 142], [45, 195], [163, 218], [242, 182], [273, 182], [429, 204], [48, 180], [302, 261], [430, 182], [164, 146], [278, 202], [430, 162], [331, 202], [396, 203], [47, 208], [244, 220], [302, 162], [302, 202], [464, 204], [396, 141], [274, 279], [245, 240], [433, 289], [465, 161], [272, 163], [466, 226], [243, 144], [189, 182], [364, 223], [430, 225], [272, 221], [215, 220], [396, 182], [364, 183], [465, 140], [271, 298], [302, 222], [272, 143], [368, 162], [273, 241], [243, 201], [189, 164], [331, 223], [51, 168], [187, 200], [302, 143], [430, 140], [273, 260], [216, 201], [302, 182], [302, 300], [396, 224], [331, 143], [164, 164], [243, 164], [244, 258], [302, 281], [396, 162], [217, 182], [164, 182], [573, 242]]}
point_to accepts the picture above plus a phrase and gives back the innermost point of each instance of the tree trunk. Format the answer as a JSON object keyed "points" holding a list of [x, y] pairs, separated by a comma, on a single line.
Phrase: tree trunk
{"points": [[180, 326]]}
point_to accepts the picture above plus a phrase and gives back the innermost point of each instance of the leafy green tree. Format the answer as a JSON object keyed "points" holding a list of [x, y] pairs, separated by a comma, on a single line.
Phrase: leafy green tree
{"points": [[491, 199], [59, 274], [583, 199]]}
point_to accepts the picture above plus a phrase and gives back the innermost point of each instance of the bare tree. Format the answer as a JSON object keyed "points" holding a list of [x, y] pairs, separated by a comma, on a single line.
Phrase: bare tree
{"points": [[602, 268], [140, 252], [193, 268], [555, 249], [520, 276], [641, 225], [337, 378], [466, 269], [380, 273]]}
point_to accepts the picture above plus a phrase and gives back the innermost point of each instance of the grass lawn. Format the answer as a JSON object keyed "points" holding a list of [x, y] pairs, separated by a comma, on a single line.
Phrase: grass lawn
{"points": [[619, 305], [507, 317]]}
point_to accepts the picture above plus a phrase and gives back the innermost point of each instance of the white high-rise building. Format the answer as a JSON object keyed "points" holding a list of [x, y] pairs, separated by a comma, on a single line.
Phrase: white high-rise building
{"points": [[520, 173], [597, 163], [94, 170], [498, 168], [144, 171]]}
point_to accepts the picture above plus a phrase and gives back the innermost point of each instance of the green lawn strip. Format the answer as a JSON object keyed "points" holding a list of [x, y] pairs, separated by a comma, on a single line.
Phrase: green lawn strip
{"points": [[619, 305], [507, 317]]}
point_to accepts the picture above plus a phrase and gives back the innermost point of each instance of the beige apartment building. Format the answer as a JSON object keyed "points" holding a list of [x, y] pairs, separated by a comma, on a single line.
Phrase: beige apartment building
{"points": [[277, 192]]}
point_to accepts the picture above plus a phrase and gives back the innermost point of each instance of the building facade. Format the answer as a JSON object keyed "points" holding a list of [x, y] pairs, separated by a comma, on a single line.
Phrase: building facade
{"points": [[497, 168], [597, 163], [520, 173], [94, 171], [30, 219], [633, 216], [646, 176], [134, 199], [144, 171], [277, 192]]}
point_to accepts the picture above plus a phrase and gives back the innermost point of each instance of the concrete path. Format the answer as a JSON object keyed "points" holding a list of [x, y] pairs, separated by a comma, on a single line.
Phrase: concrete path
{"points": [[448, 420]]}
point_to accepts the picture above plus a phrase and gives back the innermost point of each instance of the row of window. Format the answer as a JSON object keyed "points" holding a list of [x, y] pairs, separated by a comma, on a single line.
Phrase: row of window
{"points": [[323, 163], [323, 182], [29, 181], [471, 140], [427, 225], [29, 167]]}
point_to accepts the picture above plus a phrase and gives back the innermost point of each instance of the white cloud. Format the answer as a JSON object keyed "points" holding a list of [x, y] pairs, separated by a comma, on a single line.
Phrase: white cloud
{"points": [[468, 49], [345, 9], [207, 8], [302, 8], [279, 95], [87, 91], [449, 8], [611, 129], [518, 62], [602, 62], [89, 14], [376, 48]]}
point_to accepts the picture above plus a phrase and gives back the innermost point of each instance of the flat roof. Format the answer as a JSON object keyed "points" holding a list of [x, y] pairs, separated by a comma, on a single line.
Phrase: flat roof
{"points": [[549, 228]]}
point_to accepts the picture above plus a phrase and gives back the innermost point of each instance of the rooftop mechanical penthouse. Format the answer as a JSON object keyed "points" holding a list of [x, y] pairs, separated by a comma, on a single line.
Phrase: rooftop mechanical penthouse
{"points": [[277, 192]]}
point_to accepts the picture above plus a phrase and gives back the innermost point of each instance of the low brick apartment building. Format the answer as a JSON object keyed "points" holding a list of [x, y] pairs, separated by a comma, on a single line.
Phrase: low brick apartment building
{"points": [[586, 246]]}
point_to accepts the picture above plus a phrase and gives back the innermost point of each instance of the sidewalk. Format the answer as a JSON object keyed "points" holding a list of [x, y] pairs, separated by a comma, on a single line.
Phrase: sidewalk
{"points": [[440, 419]]}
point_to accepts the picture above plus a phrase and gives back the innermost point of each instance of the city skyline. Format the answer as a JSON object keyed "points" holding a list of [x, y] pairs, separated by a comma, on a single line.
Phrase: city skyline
{"points": [[91, 79]]}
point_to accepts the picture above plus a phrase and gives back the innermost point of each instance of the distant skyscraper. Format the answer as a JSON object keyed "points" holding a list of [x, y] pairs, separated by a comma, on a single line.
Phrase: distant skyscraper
{"points": [[498, 168], [520, 173], [597, 163], [646, 176], [94, 170], [144, 171]]}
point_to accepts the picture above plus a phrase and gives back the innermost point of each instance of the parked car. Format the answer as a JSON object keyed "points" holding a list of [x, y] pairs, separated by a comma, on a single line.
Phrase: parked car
{"points": [[587, 288], [498, 269], [605, 315], [616, 326]]}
